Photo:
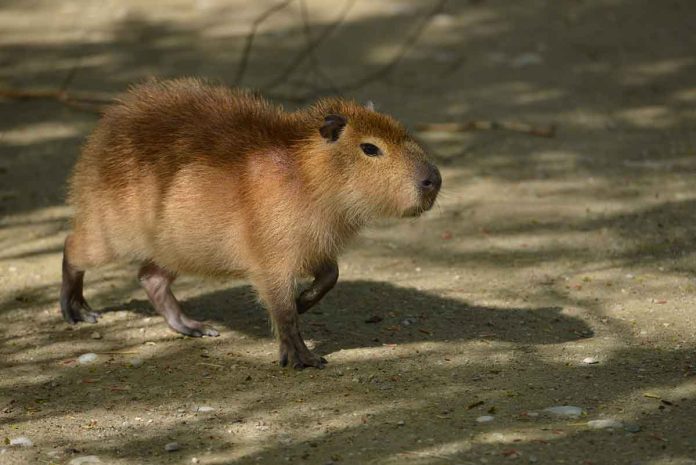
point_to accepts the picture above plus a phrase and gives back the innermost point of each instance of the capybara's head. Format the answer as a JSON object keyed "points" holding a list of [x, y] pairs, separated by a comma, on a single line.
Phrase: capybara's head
{"points": [[377, 168]]}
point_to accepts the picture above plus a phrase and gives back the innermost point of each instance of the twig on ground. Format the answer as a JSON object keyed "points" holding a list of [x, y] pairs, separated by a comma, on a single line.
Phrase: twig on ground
{"points": [[241, 69], [312, 44], [81, 100], [540, 131]]}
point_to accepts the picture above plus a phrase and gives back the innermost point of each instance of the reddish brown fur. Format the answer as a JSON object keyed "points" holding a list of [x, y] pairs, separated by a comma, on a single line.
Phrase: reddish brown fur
{"points": [[207, 180]]}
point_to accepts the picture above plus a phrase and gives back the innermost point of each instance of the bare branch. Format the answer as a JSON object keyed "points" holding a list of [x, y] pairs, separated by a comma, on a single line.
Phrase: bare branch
{"points": [[89, 102], [308, 51], [241, 69], [405, 48]]}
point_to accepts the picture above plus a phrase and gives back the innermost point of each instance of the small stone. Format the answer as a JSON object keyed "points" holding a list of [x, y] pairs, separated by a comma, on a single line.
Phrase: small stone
{"points": [[564, 411], [85, 460], [96, 335], [172, 447], [194, 460], [400, 423], [604, 423], [87, 358], [533, 459], [632, 428], [204, 409], [21, 441], [526, 59], [485, 419], [590, 361], [136, 362]]}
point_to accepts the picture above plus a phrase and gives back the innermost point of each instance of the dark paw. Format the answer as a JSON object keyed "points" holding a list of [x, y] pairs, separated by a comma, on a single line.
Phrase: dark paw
{"points": [[78, 310], [299, 359]]}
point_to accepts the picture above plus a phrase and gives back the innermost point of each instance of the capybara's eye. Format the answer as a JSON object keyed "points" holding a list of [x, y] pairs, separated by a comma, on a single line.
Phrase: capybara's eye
{"points": [[370, 150]]}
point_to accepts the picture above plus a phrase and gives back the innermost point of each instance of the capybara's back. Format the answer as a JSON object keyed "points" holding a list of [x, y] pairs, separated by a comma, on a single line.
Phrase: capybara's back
{"points": [[157, 172], [186, 177]]}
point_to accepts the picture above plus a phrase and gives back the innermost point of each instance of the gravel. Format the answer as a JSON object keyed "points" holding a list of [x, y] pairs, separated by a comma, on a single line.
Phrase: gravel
{"points": [[87, 358], [85, 460], [21, 441], [604, 423], [564, 411], [172, 447]]}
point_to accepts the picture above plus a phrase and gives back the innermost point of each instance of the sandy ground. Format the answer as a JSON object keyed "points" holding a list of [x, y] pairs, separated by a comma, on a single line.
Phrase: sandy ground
{"points": [[541, 254]]}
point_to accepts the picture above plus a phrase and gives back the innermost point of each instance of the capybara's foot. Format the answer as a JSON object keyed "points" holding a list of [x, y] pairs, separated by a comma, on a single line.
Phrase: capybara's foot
{"points": [[193, 328], [296, 354], [76, 309]]}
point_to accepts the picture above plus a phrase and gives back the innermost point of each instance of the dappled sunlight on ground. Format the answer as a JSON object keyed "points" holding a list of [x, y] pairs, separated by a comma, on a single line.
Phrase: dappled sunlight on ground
{"points": [[552, 271]]}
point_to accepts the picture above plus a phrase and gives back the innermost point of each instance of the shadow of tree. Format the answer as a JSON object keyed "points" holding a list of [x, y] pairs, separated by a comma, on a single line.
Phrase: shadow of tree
{"points": [[613, 189]]}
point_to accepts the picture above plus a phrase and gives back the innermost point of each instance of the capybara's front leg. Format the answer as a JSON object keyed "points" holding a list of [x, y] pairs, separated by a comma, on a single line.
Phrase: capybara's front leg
{"points": [[325, 278], [277, 295]]}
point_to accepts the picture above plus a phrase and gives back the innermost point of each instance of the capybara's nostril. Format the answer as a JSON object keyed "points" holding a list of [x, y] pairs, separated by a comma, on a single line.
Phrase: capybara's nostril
{"points": [[433, 181]]}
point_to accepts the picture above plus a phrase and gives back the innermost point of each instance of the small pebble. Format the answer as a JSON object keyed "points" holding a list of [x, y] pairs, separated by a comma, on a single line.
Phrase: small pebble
{"points": [[590, 361], [194, 460], [204, 409], [87, 358], [564, 411], [401, 423], [21, 441], [85, 460], [526, 59], [136, 362], [96, 335], [533, 459], [485, 419], [632, 428], [172, 447], [604, 423]]}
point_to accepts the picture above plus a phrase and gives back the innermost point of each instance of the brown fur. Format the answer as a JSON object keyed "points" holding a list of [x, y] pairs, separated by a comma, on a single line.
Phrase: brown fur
{"points": [[203, 179]]}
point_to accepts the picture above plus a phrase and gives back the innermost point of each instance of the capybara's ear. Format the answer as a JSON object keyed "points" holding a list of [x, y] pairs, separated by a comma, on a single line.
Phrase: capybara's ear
{"points": [[332, 127]]}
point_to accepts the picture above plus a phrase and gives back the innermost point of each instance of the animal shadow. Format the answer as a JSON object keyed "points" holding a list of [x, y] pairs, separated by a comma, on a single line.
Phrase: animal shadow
{"points": [[371, 313]]}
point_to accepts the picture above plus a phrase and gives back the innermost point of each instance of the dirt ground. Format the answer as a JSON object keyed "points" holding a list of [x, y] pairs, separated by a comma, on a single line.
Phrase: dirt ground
{"points": [[553, 272]]}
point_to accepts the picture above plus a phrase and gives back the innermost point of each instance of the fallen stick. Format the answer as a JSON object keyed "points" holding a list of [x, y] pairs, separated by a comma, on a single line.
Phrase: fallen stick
{"points": [[540, 131], [82, 101]]}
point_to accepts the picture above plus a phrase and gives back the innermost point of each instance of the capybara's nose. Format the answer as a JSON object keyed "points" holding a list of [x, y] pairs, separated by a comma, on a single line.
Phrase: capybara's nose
{"points": [[432, 181]]}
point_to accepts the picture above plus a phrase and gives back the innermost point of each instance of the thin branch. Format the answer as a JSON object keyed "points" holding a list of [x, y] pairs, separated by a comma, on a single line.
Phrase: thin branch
{"points": [[405, 48], [82, 101], [308, 51], [241, 69], [307, 28], [540, 131], [70, 76]]}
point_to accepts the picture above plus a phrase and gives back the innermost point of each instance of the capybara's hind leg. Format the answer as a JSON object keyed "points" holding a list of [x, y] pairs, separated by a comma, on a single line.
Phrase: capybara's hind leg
{"points": [[72, 303], [157, 282]]}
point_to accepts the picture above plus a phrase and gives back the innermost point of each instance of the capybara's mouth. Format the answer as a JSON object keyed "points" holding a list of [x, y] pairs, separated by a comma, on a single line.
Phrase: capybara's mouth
{"points": [[418, 210]]}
